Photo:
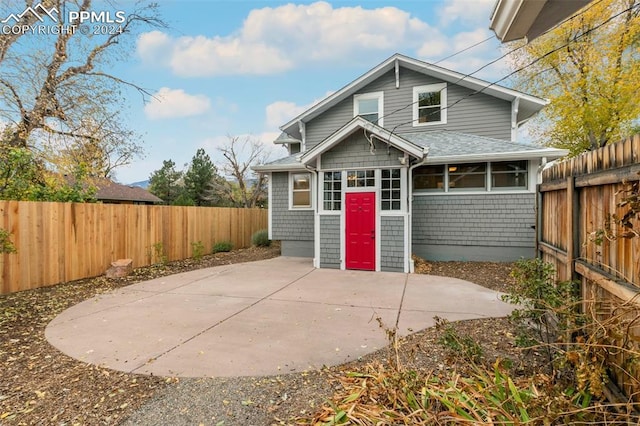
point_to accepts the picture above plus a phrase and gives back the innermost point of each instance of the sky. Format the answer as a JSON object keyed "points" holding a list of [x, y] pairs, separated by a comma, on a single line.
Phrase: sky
{"points": [[247, 67]]}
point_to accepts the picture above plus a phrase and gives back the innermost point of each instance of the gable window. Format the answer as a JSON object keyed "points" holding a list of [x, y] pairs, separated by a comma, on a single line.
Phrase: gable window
{"points": [[360, 178], [390, 189], [301, 190], [332, 190], [369, 106], [509, 174], [429, 178], [429, 104], [468, 176]]}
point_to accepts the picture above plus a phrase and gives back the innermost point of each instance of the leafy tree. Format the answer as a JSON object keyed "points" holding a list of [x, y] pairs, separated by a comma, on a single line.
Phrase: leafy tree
{"points": [[592, 77], [58, 94], [165, 182], [245, 188], [200, 180]]}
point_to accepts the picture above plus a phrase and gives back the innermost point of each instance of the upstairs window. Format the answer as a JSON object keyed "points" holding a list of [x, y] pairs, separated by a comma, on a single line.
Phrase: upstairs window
{"points": [[369, 106], [429, 104]]}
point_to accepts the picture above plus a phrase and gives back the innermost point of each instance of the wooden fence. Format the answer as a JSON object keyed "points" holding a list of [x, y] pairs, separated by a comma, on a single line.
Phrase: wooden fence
{"points": [[61, 242], [577, 230]]}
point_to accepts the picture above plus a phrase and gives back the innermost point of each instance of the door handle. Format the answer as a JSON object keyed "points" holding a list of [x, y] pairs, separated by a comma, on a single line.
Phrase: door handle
{"points": [[373, 234]]}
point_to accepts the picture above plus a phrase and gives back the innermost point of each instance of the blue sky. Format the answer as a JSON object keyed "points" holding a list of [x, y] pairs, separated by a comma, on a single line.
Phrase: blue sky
{"points": [[246, 67]]}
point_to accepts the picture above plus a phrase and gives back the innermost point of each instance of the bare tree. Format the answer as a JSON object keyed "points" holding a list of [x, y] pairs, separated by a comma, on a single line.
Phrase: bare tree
{"points": [[54, 87], [245, 188]]}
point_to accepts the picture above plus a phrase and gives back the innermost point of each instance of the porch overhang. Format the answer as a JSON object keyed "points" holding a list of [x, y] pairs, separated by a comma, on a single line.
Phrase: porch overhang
{"points": [[374, 130]]}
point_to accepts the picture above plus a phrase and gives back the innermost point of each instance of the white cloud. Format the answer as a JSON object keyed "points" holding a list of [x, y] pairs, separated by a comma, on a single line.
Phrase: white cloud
{"points": [[172, 103], [277, 39], [467, 11], [281, 112]]}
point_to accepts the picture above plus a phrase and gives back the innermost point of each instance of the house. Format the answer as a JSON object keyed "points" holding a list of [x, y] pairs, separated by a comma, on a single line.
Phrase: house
{"points": [[108, 191], [516, 19], [409, 158]]}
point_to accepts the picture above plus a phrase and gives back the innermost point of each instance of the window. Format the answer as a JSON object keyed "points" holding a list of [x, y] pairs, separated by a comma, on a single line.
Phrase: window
{"points": [[468, 176], [300, 190], [509, 174], [429, 104], [332, 190], [369, 106], [430, 178], [360, 178], [390, 189]]}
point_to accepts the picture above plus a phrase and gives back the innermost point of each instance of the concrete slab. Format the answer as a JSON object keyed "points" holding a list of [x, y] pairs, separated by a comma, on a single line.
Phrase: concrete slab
{"points": [[261, 318]]}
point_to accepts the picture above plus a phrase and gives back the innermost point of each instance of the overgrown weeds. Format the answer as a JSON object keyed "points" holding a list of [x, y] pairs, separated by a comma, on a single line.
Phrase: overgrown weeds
{"points": [[479, 390]]}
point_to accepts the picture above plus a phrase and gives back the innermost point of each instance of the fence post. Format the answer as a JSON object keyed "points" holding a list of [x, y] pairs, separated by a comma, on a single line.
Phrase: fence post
{"points": [[539, 213]]}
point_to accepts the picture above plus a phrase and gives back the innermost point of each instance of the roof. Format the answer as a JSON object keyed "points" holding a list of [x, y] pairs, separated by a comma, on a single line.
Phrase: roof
{"points": [[440, 146], [359, 123], [528, 105], [445, 145], [516, 19], [108, 190]]}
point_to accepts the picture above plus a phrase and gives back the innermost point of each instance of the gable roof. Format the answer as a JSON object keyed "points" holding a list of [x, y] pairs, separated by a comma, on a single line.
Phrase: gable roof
{"points": [[528, 106], [107, 190], [374, 130]]}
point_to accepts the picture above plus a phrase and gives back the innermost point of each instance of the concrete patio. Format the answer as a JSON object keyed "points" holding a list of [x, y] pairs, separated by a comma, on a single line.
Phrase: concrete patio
{"points": [[269, 317]]}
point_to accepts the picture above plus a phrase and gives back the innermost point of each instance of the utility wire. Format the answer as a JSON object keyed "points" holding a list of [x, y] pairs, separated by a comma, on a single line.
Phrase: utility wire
{"points": [[465, 49], [538, 59]]}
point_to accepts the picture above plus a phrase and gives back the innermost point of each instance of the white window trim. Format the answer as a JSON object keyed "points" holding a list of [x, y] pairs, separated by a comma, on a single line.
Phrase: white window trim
{"points": [[403, 193], [322, 210], [439, 87], [372, 95], [531, 187], [311, 191]]}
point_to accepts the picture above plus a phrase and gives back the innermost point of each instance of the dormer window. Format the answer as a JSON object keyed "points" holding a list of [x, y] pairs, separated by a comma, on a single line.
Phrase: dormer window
{"points": [[430, 104], [369, 106]]}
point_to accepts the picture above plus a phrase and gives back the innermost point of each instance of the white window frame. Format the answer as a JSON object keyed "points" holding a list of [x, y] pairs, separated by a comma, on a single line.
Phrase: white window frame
{"points": [[311, 191], [321, 187], [439, 87], [401, 189], [373, 95]]}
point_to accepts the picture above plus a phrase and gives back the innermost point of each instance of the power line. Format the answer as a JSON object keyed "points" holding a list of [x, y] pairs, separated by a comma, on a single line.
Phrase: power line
{"points": [[465, 49], [538, 59]]}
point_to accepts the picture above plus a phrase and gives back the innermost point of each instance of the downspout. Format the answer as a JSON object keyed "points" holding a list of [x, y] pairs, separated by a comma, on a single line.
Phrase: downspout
{"points": [[515, 105], [316, 216], [410, 202]]}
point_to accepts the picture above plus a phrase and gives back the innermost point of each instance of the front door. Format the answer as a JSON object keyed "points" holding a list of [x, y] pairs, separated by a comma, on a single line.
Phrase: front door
{"points": [[360, 229]]}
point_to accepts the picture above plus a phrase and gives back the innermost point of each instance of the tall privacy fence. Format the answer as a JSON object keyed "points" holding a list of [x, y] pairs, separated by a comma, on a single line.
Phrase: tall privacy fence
{"points": [[581, 202], [61, 242]]}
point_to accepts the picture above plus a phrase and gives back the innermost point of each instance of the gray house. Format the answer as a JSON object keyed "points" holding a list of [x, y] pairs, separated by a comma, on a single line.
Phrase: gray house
{"points": [[409, 158]]}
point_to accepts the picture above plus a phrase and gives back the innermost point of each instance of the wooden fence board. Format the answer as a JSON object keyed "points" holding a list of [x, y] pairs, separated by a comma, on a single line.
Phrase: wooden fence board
{"points": [[583, 217], [61, 242]]}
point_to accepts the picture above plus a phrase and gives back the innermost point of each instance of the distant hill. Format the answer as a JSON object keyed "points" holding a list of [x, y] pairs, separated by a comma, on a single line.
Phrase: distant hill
{"points": [[142, 184]]}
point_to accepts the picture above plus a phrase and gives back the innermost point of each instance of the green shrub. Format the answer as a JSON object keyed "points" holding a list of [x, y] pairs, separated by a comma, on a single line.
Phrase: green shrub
{"points": [[222, 246], [261, 238], [159, 254], [197, 250], [6, 245]]}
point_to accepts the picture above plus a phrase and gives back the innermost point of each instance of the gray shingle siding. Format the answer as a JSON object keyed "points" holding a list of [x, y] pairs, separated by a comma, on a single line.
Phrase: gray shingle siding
{"points": [[296, 225], [330, 241], [479, 114], [392, 243], [354, 152], [500, 220]]}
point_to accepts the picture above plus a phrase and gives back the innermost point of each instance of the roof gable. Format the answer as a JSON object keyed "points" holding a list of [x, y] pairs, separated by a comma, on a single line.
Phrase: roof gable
{"points": [[528, 104], [374, 131]]}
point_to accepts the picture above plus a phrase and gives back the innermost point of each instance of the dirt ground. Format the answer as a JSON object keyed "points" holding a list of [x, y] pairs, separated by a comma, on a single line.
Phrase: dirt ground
{"points": [[40, 385]]}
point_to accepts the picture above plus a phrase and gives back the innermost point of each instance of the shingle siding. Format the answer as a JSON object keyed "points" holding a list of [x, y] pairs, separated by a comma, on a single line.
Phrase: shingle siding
{"points": [[477, 114], [354, 151], [330, 241], [500, 220], [392, 243], [295, 225]]}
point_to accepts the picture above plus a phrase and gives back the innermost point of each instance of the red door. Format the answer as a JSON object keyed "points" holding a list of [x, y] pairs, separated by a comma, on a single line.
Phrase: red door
{"points": [[360, 224]]}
